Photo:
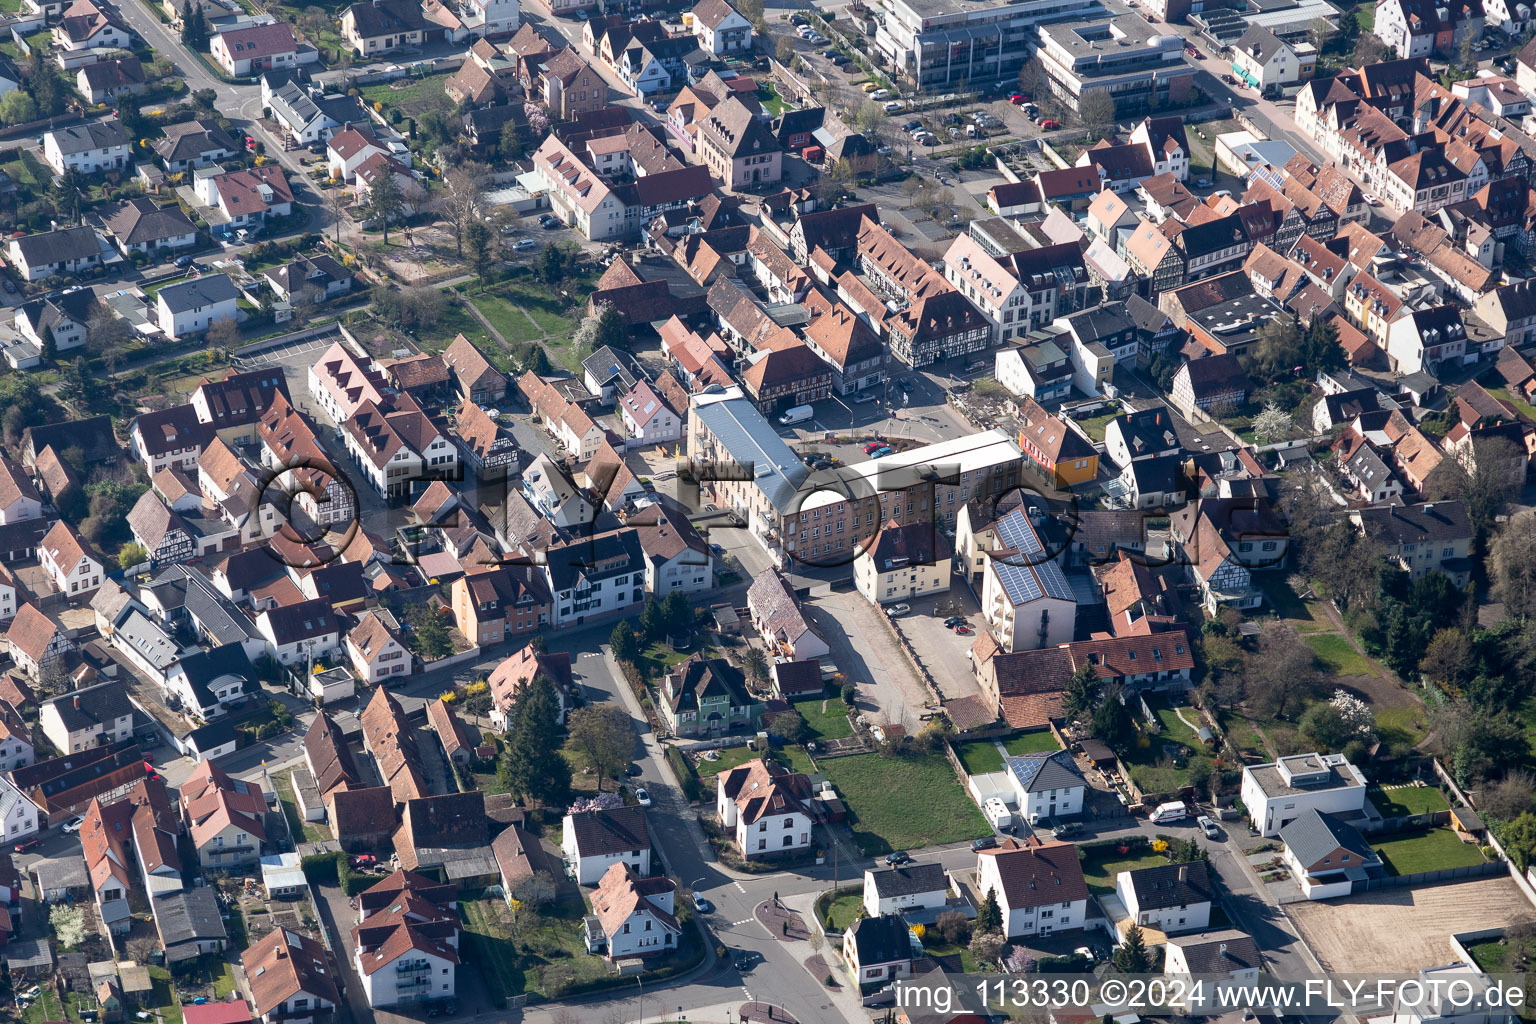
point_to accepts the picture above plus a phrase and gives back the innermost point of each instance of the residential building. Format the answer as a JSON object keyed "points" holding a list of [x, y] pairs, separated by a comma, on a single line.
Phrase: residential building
{"points": [[594, 577], [58, 251], [96, 716], [1422, 538], [194, 305], [1415, 28], [301, 632], [908, 887], [1278, 793], [1326, 855], [1230, 955], [707, 697], [106, 80], [595, 841], [1126, 56], [1039, 886], [138, 225], [244, 52], [1056, 446], [225, 818], [1047, 785], [86, 25], [635, 913], [737, 146], [292, 979], [905, 561], [1210, 387], [1264, 60], [37, 644], [1169, 898], [382, 26], [509, 678], [1025, 598], [877, 950], [496, 603], [69, 562], [720, 30], [194, 144], [245, 198], [375, 649], [765, 807]]}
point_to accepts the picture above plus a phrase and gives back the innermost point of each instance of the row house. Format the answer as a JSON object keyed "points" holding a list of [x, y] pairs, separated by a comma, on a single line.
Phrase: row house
{"points": [[788, 375], [398, 445], [495, 603]]}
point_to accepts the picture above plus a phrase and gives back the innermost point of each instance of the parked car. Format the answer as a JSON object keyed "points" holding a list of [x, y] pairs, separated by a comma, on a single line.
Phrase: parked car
{"points": [[954, 620], [912, 126], [897, 610], [703, 905], [984, 843], [864, 398], [1065, 828], [524, 244], [1016, 99], [891, 106], [1050, 124], [870, 87], [633, 771], [880, 453], [1208, 827], [880, 94], [642, 798], [362, 860], [73, 824], [897, 858], [1370, 200], [962, 630], [30, 844], [183, 261], [872, 446]]}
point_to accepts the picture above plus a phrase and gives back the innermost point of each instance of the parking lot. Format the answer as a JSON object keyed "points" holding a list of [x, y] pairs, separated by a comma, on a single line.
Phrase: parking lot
{"points": [[940, 650]]}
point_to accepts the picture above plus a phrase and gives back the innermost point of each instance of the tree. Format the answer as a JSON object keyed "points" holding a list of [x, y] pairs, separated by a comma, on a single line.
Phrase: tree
{"points": [[1096, 110], [653, 620], [68, 925], [953, 927], [1509, 797], [990, 917], [678, 613], [1518, 839], [224, 333], [1512, 565], [1131, 957], [552, 264], [1327, 729], [463, 189], [64, 195], [18, 107], [385, 201], [510, 145], [1283, 676], [623, 642], [1321, 33], [537, 890], [986, 947], [429, 636], [603, 326], [531, 767], [107, 334], [1272, 424], [755, 664], [1082, 693], [605, 735], [130, 555], [788, 726], [77, 383], [1278, 347], [482, 249], [872, 119], [784, 49], [1112, 723], [1369, 49]]}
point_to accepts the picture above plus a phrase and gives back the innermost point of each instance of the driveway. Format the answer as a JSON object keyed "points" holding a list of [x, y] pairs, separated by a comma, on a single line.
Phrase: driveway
{"points": [[865, 654]]}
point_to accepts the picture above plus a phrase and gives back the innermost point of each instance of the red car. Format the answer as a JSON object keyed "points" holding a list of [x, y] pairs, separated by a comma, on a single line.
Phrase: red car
{"points": [[1194, 53], [1049, 125], [30, 844], [962, 630], [1017, 99], [873, 446], [362, 860]]}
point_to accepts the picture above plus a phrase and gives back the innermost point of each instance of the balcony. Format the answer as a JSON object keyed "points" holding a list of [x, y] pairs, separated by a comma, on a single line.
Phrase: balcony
{"points": [[413, 968]]}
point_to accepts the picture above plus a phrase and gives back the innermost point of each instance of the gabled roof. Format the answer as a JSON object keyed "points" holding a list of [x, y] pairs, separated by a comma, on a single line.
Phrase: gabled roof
{"points": [[1040, 772], [283, 964], [1316, 835], [909, 880], [1036, 874], [603, 833], [1172, 885]]}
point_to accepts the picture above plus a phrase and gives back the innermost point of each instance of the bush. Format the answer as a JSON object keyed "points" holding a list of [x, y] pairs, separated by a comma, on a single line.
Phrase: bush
{"points": [[322, 868], [686, 776]]}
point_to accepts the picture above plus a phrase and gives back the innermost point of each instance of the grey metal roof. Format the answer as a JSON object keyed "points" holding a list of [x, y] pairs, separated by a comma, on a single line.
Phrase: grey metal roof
{"points": [[1040, 772], [98, 705], [215, 614], [198, 292], [1315, 835], [1172, 885], [189, 916], [909, 880], [148, 640], [750, 440]]}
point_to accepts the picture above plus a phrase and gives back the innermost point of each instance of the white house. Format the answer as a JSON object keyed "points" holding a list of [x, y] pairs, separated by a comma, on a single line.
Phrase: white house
{"points": [[877, 950], [88, 148], [720, 29], [635, 913], [1039, 886], [595, 576], [909, 887], [594, 841], [1166, 144], [1327, 856], [36, 642], [64, 319], [16, 749], [58, 251], [69, 563], [676, 556], [1047, 785], [1230, 957], [1278, 793], [648, 419], [765, 807], [1262, 59], [407, 964], [1025, 597], [18, 814], [96, 716], [375, 650], [254, 49], [192, 306], [1168, 898], [300, 632], [549, 489]]}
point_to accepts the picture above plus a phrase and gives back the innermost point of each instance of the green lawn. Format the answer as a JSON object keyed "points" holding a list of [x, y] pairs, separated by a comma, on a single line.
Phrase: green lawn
{"points": [[511, 321], [1365, 17], [845, 910], [768, 96], [420, 95], [10, 6], [1094, 425], [1492, 956], [903, 803], [1431, 850], [1402, 727], [1520, 404], [1100, 874], [303, 831], [1400, 801], [1279, 598], [796, 758], [1037, 742], [831, 724], [979, 756], [44, 1008], [1336, 656], [493, 949], [1243, 733], [730, 757], [164, 996], [1174, 729], [547, 958]]}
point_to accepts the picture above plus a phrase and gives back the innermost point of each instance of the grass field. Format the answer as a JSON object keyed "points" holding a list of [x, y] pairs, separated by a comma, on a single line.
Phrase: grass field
{"points": [[1306, 616], [831, 724], [1336, 656], [1174, 729], [905, 803], [729, 758], [1100, 874], [511, 321], [303, 831], [413, 99], [845, 910], [1431, 850], [1402, 727], [796, 758], [1401, 801], [553, 955], [979, 756], [1036, 742]]}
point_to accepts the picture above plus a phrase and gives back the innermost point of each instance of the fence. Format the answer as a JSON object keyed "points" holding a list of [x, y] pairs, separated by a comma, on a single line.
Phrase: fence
{"points": [[1484, 870], [1408, 822]]}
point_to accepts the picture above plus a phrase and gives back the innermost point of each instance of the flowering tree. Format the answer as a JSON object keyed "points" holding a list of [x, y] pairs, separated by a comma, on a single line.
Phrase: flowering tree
{"points": [[601, 802], [1355, 714], [1019, 961]]}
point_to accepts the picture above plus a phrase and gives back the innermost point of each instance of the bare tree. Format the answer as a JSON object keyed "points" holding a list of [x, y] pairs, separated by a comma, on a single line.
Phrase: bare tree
{"points": [[1096, 111], [224, 333], [463, 189], [1512, 564], [1511, 796]]}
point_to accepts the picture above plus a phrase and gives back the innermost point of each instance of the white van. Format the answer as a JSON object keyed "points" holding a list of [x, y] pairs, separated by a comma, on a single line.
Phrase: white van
{"points": [[798, 414], [1174, 810]]}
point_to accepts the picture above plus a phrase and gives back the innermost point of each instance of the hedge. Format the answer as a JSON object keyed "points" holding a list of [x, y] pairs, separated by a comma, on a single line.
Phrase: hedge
{"points": [[321, 869], [686, 776]]}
